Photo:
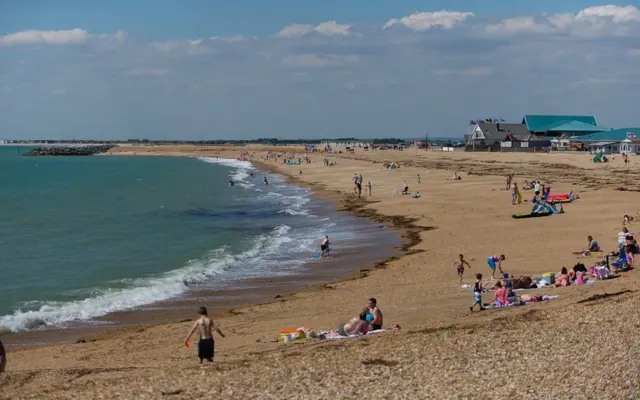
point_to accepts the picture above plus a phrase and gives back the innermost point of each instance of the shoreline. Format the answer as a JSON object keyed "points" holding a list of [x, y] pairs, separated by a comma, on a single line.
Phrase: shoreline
{"points": [[309, 279], [440, 339]]}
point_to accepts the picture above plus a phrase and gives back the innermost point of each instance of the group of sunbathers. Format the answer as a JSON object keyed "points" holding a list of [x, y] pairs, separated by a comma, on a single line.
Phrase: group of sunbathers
{"points": [[370, 319]]}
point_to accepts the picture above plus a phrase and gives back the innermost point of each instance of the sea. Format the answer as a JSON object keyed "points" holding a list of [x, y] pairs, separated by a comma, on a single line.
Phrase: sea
{"points": [[83, 238]]}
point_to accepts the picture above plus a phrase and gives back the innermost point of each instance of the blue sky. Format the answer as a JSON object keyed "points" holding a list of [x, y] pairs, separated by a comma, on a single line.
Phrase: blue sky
{"points": [[213, 69]]}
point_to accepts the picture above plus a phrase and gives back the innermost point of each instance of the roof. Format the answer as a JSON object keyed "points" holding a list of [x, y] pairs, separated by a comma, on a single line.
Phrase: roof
{"points": [[543, 123], [613, 135], [526, 138], [490, 129], [577, 126], [598, 144]]}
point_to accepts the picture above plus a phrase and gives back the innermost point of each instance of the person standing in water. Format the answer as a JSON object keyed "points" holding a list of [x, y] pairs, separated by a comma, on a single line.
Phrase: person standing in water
{"points": [[324, 247], [206, 344], [266, 182]]}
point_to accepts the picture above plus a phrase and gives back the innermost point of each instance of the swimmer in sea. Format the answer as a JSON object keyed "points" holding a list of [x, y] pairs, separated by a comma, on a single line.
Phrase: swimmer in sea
{"points": [[266, 182], [231, 182]]}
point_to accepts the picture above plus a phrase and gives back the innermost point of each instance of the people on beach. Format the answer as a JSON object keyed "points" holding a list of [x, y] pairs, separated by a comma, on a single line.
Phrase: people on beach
{"points": [[418, 178], [592, 246], [3, 358], [491, 261], [477, 293], [324, 247], [455, 176], [500, 295], [355, 326], [516, 197], [627, 220], [266, 182], [536, 188], [405, 188], [459, 265], [376, 322], [369, 187], [509, 178], [205, 327]]}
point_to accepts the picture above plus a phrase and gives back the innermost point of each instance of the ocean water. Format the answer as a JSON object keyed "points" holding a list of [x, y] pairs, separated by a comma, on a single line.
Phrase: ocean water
{"points": [[82, 237]]}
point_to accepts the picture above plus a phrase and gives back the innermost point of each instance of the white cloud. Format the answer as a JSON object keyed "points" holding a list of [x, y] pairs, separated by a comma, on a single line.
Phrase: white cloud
{"points": [[61, 37], [140, 71], [329, 28], [317, 60], [607, 20], [73, 36], [332, 28], [295, 30], [422, 21], [617, 14]]}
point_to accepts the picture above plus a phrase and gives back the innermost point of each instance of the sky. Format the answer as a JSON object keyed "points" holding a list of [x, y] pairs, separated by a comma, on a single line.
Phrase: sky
{"points": [[199, 70]]}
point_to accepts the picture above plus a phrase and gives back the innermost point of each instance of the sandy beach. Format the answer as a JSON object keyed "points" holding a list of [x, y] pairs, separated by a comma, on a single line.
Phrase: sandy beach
{"points": [[581, 345]]}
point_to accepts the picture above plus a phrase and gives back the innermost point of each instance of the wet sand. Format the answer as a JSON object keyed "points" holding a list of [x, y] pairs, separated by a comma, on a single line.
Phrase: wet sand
{"points": [[582, 345]]}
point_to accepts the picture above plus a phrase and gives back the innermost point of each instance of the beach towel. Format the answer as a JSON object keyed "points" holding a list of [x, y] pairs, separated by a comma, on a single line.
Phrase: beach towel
{"points": [[523, 303], [336, 335]]}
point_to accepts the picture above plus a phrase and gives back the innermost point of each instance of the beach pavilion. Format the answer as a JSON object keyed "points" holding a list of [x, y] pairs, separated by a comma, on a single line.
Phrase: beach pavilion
{"points": [[557, 126], [617, 141]]}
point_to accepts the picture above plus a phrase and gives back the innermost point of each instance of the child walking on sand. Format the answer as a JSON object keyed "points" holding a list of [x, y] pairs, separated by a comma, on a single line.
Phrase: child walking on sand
{"points": [[477, 292], [459, 264], [419, 181], [492, 264], [369, 187], [205, 326]]}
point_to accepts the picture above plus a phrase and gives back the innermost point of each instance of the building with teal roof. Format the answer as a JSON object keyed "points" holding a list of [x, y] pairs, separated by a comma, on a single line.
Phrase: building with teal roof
{"points": [[562, 125], [624, 140]]}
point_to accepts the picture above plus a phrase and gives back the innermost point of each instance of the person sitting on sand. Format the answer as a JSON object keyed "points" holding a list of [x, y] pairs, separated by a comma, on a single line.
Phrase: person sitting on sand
{"points": [[376, 322], [455, 177], [627, 220], [459, 265], [563, 278], [527, 185], [592, 246], [355, 326], [491, 261], [415, 195], [205, 327], [501, 295], [622, 236]]}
